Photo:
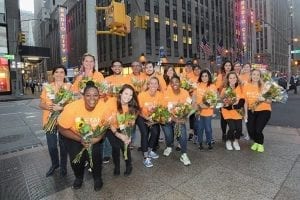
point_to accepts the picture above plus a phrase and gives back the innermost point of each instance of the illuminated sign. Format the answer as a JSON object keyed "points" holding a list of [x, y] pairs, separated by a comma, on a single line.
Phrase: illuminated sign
{"points": [[63, 36], [4, 76], [243, 23]]}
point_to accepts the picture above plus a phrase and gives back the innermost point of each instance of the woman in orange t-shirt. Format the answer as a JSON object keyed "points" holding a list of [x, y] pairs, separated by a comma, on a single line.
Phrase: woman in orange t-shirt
{"points": [[87, 70], [92, 111], [259, 110], [46, 104], [125, 103], [204, 115], [173, 96], [148, 100], [245, 73], [225, 69], [230, 111]]}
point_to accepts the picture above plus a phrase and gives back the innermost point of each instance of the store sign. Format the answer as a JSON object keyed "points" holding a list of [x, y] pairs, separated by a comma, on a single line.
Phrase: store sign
{"points": [[243, 23], [296, 51], [63, 36], [4, 76], [9, 57]]}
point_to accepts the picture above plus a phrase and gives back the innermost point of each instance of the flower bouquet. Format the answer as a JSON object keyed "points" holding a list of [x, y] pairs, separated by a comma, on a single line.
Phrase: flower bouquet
{"points": [[266, 76], [210, 98], [138, 84], [126, 123], [87, 132], [103, 87], [82, 83], [230, 98], [179, 113], [187, 84], [271, 91], [114, 89], [61, 98], [159, 114]]}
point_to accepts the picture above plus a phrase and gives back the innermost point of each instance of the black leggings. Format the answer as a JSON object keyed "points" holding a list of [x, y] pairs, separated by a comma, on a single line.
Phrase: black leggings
{"points": [[223, 124], [257, 121], [118, 145], [73, 148], [235, 129]]}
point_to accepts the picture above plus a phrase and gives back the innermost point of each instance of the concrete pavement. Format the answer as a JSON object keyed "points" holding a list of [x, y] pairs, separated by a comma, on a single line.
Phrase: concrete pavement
{"points": [[216, 174]]}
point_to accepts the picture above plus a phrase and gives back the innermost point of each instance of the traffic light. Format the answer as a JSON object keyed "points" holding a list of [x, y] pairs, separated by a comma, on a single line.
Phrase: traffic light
{"points": [[22, 38], [137, 21], [140, 22], [143, 22], [258, 26]]}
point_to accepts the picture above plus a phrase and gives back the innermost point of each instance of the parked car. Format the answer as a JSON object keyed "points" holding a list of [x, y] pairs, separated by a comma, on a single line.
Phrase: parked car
{"points": [[281, 81]]}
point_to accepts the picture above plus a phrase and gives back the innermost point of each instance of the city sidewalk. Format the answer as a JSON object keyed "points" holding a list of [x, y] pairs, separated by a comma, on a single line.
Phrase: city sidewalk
{"points": [[27, 95], [216, 174]]}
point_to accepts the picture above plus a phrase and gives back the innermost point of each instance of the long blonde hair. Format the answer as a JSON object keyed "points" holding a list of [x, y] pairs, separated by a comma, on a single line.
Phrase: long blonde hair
{"points": [[260, 82]]}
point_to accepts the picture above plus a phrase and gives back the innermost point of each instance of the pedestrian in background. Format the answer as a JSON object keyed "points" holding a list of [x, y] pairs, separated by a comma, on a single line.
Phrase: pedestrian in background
{"points": [[59, 73]]}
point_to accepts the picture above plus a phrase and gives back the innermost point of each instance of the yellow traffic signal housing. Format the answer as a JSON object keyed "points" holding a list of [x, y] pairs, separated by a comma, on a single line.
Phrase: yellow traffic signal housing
{"points": [[127, 25], [22, 38], [258, 26], [115, 15], [137, 21], [143, 22]]}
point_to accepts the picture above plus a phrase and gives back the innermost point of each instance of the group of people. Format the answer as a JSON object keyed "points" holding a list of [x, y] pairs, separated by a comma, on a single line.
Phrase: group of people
{"points": [[140, 92]]}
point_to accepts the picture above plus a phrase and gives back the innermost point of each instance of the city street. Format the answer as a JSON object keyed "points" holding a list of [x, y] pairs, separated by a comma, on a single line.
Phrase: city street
{"points": [[218, 174]]}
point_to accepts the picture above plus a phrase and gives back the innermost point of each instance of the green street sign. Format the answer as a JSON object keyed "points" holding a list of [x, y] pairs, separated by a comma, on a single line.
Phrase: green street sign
{"points": [[9, 57], [296, 51]]}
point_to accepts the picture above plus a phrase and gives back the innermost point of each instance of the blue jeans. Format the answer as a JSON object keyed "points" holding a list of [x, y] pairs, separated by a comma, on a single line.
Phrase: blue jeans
{"points": [[53, 150], [168, 130], [106, 148], [203, 123]]}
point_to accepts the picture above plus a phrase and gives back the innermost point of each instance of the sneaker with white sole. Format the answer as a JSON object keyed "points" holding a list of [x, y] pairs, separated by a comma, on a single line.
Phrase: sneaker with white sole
{"points": [[153, 155], [147, 162], [236, 145], [229, 145], [185, 159], [167, 151]]}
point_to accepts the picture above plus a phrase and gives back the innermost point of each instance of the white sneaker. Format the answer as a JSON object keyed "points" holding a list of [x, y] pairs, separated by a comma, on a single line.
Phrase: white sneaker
{"points": [[236, 145], [167, 151], [185, 159], [228, 145], [147, 162], [153, 155]]}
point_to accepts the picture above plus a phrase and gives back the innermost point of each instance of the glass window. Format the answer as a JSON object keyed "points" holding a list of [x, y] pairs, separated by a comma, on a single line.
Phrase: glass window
{"points": [[157, 34], [147, 5], [175, 37], [3, 40], [156, 7], [167, 11], [175, 14]]}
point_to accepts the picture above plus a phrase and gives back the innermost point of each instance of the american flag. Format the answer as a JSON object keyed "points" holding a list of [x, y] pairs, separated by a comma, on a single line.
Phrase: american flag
{"points": [[221, 49], [206, 48]]}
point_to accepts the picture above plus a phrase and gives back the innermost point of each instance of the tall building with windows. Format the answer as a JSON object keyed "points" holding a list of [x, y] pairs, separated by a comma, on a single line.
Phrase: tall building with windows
{"points": [[263, 31], [174, 27]]}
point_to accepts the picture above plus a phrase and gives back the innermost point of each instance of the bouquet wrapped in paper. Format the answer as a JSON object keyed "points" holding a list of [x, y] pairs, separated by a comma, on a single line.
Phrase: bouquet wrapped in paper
{"points": [[187, 84], [159, 114], [61, 98], [271, 91], [87, 132], [179, 113], [138, 84], [126, 123], [210, 98]]}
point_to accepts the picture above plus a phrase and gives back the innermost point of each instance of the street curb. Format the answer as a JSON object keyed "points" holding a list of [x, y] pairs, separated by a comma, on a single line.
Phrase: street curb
{"points": [[18, 99]]}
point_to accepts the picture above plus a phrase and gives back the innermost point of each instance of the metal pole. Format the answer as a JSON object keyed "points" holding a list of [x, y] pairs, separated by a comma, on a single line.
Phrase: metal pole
{"points": [[289, 67]]}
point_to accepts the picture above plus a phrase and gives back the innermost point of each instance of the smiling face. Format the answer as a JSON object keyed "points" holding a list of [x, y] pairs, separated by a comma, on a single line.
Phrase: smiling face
{"points": [[175, 84], [204, 77], [136, 68], [170, 72], [149, 69], [59, 74], [126, 96], [91, 98], [232, 79], [88, 63], [153, 85], [227, 67], [255, 76], [237, 68], [246, 68], [117, 68]]}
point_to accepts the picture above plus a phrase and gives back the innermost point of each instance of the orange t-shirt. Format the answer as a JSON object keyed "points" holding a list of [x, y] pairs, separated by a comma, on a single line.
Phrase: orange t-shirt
{"points": [[170, 98], [200, 92], [116, 80], [233, 114], [77, 109], [220, 82], [252, 93], [189, 75], [96, 76], [244, 78], [45, 99], [147, 102]]}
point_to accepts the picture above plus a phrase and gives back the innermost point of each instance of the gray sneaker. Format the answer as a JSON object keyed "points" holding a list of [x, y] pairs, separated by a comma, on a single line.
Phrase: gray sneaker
{"points": [[153, 155], [147, 162]]}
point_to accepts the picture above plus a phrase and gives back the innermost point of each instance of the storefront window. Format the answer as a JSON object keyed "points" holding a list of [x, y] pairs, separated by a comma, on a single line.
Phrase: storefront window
{"points": [[4, 76]]}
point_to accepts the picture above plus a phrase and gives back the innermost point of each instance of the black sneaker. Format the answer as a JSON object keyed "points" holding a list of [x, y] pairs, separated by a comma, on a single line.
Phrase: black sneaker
{"points": [[63, 172], [98, 184], [77, 184], [210, 147], [190, 137], [106, 160], [201, 147], [224, 137]]}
